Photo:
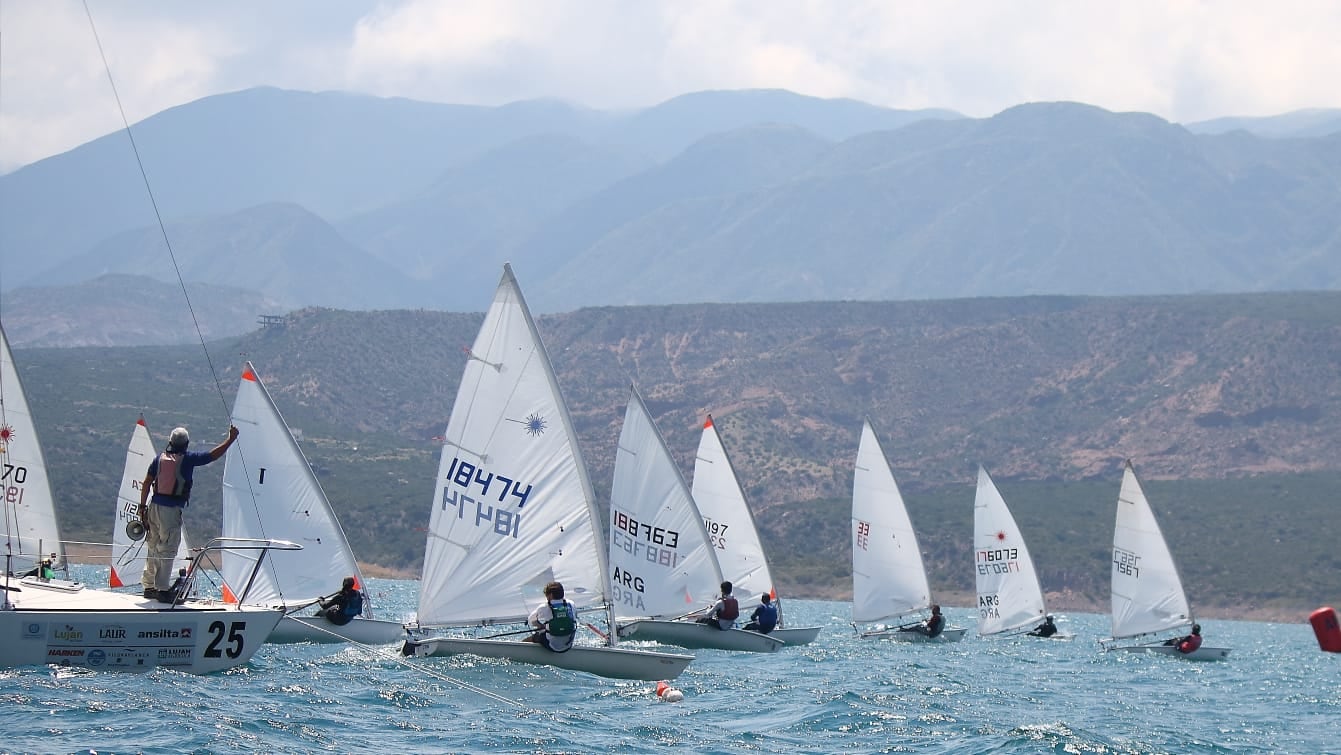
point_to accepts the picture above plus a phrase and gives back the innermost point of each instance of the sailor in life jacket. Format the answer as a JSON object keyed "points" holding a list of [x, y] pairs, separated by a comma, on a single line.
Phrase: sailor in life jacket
{"points": [[1192, 642], [765, 616], [556, 620], [724, 612], [344, 605], [169, 478]]}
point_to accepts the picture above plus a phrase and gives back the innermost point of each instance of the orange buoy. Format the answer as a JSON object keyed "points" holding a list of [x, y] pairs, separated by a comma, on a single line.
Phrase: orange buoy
{"points": [[1326, 628], [662, 686]]}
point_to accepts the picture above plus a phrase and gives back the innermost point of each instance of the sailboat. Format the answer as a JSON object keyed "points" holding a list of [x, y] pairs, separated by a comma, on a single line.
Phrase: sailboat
{"points": [[31, 530], [60, 621], [270, 491], [1010, 600], [889, 580], [513, 509], [733, 533], [1148, 597], [128, 541], [665, 567]]}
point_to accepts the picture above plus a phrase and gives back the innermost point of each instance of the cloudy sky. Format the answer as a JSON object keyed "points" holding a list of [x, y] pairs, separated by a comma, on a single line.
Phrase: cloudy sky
{"points": [[1181, 59]]}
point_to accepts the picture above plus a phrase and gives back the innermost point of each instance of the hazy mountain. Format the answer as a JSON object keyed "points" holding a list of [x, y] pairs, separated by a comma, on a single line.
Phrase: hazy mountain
{"points": [[716, 196], [336, 154], [281, 251], [129, 310], [458, 230], [667, 129], [1300, 124], [1046, 198]]}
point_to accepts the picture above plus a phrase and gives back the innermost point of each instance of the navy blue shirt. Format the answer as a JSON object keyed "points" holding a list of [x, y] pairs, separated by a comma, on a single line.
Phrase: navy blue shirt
{"points": [[766, 616], [190, 460]]}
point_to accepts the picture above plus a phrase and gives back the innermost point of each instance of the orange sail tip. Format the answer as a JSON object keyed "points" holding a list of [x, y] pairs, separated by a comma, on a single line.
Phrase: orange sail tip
{"points": [[708, 423], [247, 374], [114, 580], [140, 422], [228, 595]]}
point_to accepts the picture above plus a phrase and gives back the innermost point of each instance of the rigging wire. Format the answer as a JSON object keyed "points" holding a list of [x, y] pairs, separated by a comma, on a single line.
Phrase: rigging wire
{"points": [[167, 242], [153, 201]]}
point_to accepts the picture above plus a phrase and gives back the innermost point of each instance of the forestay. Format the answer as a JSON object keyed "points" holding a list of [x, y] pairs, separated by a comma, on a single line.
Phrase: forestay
{"points": [[659, 549], [1147, 593], [888, 578], [270, 492], [1009, 597], [31, 532], [512, 508], [128, 552]]}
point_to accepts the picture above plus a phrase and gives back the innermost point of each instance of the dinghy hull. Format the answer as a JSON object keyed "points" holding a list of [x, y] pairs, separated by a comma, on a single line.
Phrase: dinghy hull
{"points": [[796, 635], [690, 634], [613, 663], [119, 632], [1200, 654], [317, 630]]}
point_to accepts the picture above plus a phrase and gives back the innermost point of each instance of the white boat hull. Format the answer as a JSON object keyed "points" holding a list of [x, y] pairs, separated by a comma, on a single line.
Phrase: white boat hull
{"points": [[691, 634], [363, 631], [121, 632], [796, 635], [949, 634], [613, 663], [1203, 653]]}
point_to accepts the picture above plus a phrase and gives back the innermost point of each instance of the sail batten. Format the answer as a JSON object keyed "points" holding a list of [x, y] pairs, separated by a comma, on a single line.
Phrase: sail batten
{"points": [[512, 507], [270, 491], [726, 513], [889, 580], [1148, 595], [657, 536], [1009, 597], [31, 529]]}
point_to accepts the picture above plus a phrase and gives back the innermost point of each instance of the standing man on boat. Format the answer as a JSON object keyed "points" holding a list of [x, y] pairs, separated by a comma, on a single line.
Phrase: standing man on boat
{"points": [[169, 477]]}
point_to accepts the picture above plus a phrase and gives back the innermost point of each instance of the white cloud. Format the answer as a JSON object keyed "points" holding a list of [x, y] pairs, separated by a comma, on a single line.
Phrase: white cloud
{"points": [[1180, 59]]}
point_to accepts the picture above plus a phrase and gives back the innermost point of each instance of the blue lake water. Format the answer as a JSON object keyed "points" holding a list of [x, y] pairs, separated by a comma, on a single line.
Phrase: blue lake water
{"points": [[1277, 693]]}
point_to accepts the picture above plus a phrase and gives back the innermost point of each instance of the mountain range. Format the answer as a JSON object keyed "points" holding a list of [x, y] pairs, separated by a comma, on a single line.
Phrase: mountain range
{"points": [[356, 202]]}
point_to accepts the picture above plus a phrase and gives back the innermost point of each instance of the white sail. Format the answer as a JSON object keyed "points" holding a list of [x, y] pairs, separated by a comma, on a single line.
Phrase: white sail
{"points": [[513, 508], [1147, 593], [888, 578], [128, 552], [1009, 597], [31, 530], [660, 556], [727, 518], [270, 491]]}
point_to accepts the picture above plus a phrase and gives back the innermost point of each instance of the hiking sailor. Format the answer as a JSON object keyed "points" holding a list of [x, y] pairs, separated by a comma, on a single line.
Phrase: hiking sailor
{"points": [[343, 606], [555, 619], [724, 612]]}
